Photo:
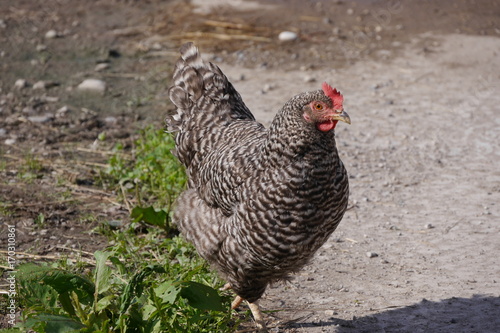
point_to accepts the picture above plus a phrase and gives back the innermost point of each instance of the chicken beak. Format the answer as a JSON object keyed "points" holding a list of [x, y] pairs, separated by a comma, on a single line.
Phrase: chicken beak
{"points": [[342, 116]]}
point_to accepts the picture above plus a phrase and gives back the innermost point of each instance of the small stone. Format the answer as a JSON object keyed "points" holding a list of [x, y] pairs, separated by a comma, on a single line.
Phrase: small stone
{"points": [[41, 47], [102, 66], [92, 85], [61, 112], [2, 24], [20, 84], [9, 142], [28, 110], [40, 85], [110, 120], [50, 99], [330, 312], [3, 132], [41, 119], [350, 11], [429, 226], [115, 224], [43, 232], [51, 34], [287, 36], [371, 254], [267, 87], [309, 79]]}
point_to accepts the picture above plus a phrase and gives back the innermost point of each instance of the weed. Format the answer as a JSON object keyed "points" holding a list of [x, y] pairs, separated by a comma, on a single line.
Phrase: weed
{"points": [[40, 220], [31, 168], [5, 209], [154, 176], [32, 164], [145, 284], [150, 282]]}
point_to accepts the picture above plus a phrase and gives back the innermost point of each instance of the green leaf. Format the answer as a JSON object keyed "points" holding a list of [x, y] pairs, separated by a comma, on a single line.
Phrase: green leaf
{"points": [[102, 272], [135, 287], [104, 302], [62, 281], [65, 301], [150, 216], [121, 267], [168, 292], [201, 296], [53, 323]]}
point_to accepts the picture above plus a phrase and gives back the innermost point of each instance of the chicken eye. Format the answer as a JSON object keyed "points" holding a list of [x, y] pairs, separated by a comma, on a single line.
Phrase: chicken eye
{"points": [[318, 106]]}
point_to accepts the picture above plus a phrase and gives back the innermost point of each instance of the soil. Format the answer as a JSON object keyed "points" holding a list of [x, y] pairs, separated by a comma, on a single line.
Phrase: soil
{"points": [[418, 249]]}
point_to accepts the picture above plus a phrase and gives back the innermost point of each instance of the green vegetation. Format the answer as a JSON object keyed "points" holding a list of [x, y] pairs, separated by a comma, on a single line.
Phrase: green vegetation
{"points": [[153, 174], [147, 281], [31, 168]]}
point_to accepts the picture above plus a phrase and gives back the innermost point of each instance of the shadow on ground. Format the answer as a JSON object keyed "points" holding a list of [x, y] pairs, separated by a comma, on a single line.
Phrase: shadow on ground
{"points": [[477, 314]]}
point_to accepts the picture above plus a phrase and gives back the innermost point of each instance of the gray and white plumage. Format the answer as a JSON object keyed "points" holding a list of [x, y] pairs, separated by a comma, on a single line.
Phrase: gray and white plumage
{"points": [[259, 202]]}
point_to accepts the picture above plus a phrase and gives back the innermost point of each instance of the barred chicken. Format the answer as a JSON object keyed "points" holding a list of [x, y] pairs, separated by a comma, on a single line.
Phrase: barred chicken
{"points": [[259, 202]]}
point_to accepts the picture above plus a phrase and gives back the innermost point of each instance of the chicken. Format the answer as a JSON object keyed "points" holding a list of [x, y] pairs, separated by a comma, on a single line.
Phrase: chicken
{"points": [[259, 202]]}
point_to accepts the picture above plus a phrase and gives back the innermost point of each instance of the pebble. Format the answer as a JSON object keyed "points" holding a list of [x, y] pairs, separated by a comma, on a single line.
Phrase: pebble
{"points": [[51, 34], [28, 110], [92, 85], [41, 47], [287, 36], [110, 120], [330, 312], [50, 99], [9, 142], [115, 224], [61, 112], [267, 87], [20, 84], [309, 79], [429, 226], [3, 132], [371, 254], [41, 119], [40, 85], [102, 66]]}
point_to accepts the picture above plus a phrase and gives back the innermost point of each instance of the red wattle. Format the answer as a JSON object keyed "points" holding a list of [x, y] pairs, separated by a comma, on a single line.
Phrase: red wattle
{"points": [[326, 126]]}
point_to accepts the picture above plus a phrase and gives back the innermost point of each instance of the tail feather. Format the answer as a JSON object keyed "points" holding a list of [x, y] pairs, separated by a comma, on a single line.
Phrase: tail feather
{"points": [[201, 86], [204, 99]]}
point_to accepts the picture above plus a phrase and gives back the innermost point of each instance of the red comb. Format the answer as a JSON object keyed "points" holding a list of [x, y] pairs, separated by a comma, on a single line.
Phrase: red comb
{"points": [[335, 96]]}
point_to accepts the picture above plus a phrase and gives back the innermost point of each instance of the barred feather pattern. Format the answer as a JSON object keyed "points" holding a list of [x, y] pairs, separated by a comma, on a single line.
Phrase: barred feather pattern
{"points": [[259, 202]]}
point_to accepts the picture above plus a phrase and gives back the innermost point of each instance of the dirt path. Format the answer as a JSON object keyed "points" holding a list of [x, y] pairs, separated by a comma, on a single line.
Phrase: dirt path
{"points": [[424, 162]]}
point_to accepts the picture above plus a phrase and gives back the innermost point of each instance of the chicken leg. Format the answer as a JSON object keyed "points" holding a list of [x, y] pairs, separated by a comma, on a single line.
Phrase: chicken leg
{"points": [[256, 313]]}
